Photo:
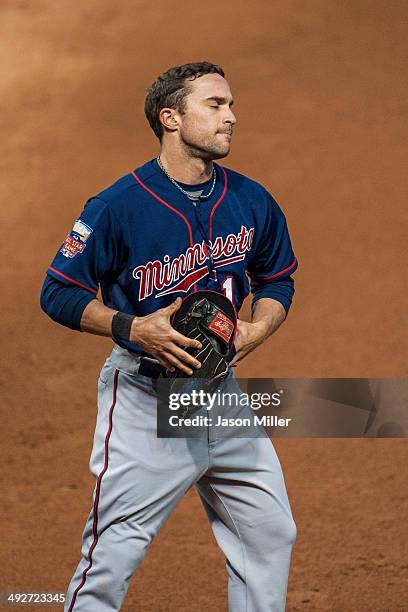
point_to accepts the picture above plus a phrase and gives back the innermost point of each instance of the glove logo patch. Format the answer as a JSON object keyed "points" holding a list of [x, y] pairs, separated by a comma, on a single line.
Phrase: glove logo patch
{"points": [[75, 241], [222, 326]]}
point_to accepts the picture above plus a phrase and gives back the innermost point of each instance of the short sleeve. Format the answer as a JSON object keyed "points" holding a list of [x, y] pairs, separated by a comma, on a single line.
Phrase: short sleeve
{"points": [[91, 249], [273, 257]]}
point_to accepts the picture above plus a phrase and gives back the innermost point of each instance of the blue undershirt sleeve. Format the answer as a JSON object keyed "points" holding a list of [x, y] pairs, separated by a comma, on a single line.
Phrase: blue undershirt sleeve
{"points": [[64, 304], [281, 290]]}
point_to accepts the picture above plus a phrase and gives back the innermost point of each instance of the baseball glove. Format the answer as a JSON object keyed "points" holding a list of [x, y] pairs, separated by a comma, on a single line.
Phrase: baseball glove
{"points": [[210, 318]]}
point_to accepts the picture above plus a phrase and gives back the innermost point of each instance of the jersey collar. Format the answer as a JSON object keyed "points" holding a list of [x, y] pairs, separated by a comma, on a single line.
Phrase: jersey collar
{"points": [[155, 182]]}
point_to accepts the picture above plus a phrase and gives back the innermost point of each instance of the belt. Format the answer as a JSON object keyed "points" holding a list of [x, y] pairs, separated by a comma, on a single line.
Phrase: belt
{"points": [[150, 367]]}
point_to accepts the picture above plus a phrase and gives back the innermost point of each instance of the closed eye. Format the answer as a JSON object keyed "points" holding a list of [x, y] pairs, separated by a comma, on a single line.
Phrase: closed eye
{"points": [[216, 101]]}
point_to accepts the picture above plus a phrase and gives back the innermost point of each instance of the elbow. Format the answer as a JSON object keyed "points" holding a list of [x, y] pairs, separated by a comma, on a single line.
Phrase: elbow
{"points": [[64, 304], [282, 291], [50, 297], [44, 298]]}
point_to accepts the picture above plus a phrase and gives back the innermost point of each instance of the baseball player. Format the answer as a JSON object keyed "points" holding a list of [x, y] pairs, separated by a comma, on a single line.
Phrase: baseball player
{"points": [[176, 225]]}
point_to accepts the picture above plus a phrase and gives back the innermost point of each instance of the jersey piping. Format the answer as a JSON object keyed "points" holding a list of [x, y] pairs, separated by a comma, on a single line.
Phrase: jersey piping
{"points": [[71, 280]]}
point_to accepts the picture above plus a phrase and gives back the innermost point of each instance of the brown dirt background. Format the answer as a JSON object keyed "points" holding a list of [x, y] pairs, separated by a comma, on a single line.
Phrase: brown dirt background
{"points": [[320, 97]]}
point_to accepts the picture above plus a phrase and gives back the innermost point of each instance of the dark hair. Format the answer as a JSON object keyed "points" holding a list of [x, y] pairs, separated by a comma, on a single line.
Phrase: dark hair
{"points": [[170, 90]]}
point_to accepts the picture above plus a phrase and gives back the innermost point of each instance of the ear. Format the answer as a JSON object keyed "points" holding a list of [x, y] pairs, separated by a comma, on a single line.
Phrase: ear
{"points": [[169, 118]]}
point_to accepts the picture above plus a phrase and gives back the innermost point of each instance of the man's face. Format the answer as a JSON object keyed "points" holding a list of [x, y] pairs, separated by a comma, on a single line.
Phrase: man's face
{"points": [[207, 122]]}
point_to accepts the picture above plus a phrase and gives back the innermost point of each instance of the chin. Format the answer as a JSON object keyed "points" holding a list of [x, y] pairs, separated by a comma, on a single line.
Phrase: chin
{"points": [[208, 148], [218, 153]]}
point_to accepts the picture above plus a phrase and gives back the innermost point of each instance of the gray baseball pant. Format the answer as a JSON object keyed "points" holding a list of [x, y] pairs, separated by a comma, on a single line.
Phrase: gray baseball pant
{"points": [[140, 478]]}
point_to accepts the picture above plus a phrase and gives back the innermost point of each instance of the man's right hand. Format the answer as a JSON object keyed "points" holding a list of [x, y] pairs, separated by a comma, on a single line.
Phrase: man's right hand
{"points": [[157, 337]]}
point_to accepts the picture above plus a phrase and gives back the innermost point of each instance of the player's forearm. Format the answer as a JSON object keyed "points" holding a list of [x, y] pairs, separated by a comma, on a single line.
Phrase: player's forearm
{"points": [[153, 333], [267, 316], [97, 319]]}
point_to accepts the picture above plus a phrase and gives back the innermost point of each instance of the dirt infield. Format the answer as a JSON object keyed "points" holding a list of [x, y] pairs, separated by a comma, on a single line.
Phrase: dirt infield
{"points": [[320, 100]]}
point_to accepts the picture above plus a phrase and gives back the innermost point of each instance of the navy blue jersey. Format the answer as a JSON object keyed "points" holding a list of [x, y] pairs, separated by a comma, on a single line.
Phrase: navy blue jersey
{"points": [[144, 243]]}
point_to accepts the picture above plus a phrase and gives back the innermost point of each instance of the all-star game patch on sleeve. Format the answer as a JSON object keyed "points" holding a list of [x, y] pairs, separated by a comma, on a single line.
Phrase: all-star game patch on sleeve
{"points": [[89, 250], [274, 260]]}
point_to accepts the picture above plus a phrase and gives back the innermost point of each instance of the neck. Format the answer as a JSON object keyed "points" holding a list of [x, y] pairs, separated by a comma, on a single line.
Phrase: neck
{"points": [[184, 167]]}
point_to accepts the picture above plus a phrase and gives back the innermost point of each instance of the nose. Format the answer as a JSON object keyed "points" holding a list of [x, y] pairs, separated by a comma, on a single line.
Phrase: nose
{"points": [[230, 117]]}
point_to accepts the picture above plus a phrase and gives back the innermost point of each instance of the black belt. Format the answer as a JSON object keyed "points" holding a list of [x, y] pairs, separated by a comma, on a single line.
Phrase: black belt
{"points": [[149, 367], [152, 368]]}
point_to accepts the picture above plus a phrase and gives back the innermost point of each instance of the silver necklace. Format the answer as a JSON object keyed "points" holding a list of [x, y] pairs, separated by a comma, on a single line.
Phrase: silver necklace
{"points": [[175, 183]]}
